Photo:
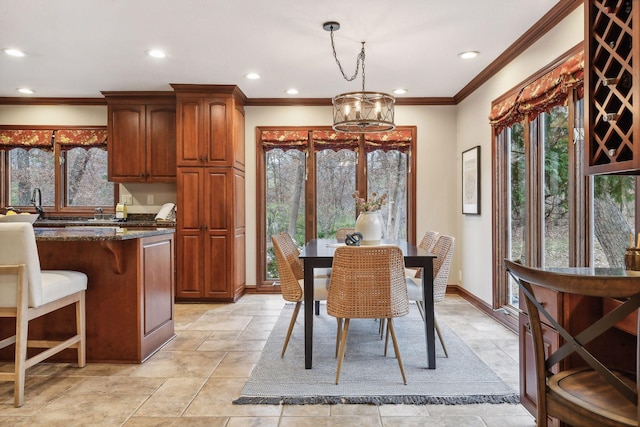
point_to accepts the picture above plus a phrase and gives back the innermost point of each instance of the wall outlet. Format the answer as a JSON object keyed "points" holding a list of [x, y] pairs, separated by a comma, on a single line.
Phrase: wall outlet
{"points": [[127, 199], [460, 276], [150, 199]]}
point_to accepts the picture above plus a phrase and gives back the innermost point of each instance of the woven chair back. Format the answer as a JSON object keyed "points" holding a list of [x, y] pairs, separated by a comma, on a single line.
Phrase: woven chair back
{"points": [[443, 249], [341, 234], [293, 253], [428, 241], [286, 260], [368, 282]]}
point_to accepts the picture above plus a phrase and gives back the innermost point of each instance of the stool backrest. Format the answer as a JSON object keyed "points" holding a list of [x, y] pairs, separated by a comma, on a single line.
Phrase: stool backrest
{"points": [[18, 246]]}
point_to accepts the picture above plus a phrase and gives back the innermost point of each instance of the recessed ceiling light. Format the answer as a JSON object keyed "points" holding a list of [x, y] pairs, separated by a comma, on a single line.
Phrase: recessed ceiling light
{"points": [[399, 91], [469, 54], [157, 53], [292, 91], [14, 52], [253, 76], [25, 90]]}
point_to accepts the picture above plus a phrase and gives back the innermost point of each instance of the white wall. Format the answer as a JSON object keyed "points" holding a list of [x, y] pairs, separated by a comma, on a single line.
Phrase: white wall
{"points": [[474, 244], [436, 150]]}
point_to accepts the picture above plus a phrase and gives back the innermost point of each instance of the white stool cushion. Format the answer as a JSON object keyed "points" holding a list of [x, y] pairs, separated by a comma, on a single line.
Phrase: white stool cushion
{"points": [[320, 287], [58, 284]]}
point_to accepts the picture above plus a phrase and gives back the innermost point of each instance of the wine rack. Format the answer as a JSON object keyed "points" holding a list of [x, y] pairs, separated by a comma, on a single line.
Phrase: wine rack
{"points": [[610, 44]]}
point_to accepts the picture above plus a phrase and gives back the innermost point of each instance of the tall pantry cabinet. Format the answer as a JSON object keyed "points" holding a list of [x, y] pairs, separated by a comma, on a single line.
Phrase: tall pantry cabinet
{"points": [[211, 192]]}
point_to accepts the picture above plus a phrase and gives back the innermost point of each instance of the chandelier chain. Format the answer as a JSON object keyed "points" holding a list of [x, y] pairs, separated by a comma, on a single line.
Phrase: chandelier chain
{"points": [[359, 58]]}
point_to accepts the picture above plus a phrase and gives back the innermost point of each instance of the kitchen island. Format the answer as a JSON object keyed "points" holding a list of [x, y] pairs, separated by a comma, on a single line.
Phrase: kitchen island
{"points": [[130, 289]]}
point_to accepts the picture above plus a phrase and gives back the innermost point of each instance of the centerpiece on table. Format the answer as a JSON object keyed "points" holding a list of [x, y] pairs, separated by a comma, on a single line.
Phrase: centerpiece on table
{"points": [[369, 222]]}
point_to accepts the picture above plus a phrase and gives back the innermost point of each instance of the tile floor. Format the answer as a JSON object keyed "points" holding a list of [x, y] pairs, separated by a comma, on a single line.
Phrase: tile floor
{"points": [[193, 379]]}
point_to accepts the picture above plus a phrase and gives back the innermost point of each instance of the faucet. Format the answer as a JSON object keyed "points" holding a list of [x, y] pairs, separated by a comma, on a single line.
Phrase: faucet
{"points": [[37, 194]]}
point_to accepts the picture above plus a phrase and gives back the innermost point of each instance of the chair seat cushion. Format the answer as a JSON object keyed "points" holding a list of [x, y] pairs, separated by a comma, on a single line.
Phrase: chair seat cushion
{"points": [[414, 289], [320, 288], [57, 284], [587, 389]]}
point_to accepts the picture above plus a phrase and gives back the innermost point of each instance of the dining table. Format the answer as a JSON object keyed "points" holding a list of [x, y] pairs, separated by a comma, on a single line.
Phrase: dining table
{"points": [[318, 253]]}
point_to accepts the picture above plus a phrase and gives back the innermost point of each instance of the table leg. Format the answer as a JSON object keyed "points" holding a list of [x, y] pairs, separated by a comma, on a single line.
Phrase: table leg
{"points": [[427, 289], [308, 313]]}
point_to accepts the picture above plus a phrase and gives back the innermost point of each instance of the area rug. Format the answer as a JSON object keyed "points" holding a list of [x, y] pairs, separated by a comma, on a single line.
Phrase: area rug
{"points": [[367, 376]]}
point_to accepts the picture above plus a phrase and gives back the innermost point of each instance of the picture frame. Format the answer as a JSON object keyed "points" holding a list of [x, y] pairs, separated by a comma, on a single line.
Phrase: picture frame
{"points": [[471, 181]]}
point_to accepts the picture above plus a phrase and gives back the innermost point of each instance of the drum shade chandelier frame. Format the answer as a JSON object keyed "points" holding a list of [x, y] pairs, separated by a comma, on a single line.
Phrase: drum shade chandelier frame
{"points": [[360, 112]]}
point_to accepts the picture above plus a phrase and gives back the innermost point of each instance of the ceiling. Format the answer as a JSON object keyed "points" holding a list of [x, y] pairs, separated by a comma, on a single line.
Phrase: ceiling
{"points": [[79, 48]]}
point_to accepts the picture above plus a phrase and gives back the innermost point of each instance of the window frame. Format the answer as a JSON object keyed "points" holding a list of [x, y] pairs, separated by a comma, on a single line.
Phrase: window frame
{"points": [[60, 186], [264, 285]]}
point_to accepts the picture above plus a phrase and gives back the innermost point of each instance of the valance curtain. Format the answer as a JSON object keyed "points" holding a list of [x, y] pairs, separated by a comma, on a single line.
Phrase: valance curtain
{"points": [[10, 138], [85, 138], [45, 139], [399, 140], [539, 96], [284, 139]]}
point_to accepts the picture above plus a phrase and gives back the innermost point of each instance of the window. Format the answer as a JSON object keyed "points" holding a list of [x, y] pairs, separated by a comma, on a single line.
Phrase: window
{"points": [[76, 185], [307, 177], [542, 194]]}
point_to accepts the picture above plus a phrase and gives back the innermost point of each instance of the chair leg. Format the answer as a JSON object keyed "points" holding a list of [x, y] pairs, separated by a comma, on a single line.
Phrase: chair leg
{"points": [[338, 335], [386, 339], [396, 349], [81, 330], [420, 309], [435, 323], [294, 316], [22, 331], [317, 304], [343, 345]]}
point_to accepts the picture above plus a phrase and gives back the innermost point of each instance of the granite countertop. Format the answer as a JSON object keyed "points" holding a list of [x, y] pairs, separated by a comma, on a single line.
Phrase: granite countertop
{"points": [[133, 220], [100, 233]]}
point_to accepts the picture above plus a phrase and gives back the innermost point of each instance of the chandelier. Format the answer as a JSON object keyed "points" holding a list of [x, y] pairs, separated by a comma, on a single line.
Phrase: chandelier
{"points": [[360, 112]]}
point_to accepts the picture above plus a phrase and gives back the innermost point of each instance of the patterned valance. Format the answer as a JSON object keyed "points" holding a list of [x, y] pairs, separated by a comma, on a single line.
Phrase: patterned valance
{"points": [[44, 139], [399, 140], [72, 138], [27, 138], [284, 139], [539, 96], [332, 140]]}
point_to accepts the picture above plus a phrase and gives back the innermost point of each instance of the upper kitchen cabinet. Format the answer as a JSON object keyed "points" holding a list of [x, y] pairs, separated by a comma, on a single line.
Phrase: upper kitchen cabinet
{"points": [[141, 136], [612, 39], [210, 125]]}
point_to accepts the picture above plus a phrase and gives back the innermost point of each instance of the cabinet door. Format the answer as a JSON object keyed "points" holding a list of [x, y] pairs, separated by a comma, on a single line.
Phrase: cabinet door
{"points": [[190, 258], [218, 132], [126, 143], [189, 119], [161, 143]]}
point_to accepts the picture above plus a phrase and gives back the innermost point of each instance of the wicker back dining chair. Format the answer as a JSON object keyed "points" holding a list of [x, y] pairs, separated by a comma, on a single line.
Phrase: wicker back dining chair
{"points": [[291, 286], [367, 282], [341, 234], [427, 243], [443, 250], [596, 393]]}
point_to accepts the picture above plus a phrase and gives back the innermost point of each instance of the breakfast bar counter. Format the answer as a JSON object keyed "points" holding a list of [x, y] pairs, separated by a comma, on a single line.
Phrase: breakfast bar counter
{"points": [[130, 289]]}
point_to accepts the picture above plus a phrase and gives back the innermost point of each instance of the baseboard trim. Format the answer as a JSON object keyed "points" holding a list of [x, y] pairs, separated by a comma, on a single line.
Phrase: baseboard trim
{"points": [[503, 316]]}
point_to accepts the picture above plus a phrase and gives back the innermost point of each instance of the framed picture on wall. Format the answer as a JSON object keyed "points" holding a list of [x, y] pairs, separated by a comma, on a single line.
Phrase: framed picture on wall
{"points": [[471, 181]]}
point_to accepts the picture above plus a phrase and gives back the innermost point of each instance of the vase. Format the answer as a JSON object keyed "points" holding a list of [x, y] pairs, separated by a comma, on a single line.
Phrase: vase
{"points": [[370, 225]]}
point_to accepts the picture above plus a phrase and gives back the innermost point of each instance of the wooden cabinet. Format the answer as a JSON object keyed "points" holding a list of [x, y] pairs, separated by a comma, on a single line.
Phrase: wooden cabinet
{"points": [[141, 137], [211, 193], [210, 131], [612, 39]]}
